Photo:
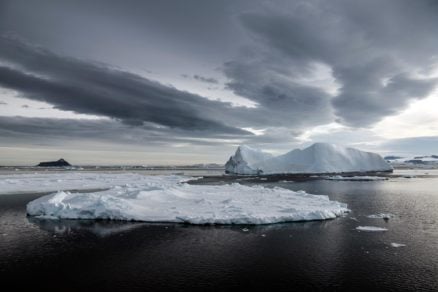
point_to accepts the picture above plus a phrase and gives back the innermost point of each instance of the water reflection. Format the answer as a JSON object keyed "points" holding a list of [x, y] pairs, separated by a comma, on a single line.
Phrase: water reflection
{"points": [[104, 228], [99, 228]]}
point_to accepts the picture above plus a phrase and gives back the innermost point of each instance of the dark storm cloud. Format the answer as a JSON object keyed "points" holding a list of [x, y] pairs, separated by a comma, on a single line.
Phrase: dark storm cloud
{"points": [[374, 49], [205, 79], [90, 88], [40, 130], [48, 131], [281, 99], [150, 35], [364, 99], [201, 78]]}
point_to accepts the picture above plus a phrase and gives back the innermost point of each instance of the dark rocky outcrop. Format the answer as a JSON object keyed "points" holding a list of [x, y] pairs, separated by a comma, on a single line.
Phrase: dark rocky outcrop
{"points": [[59, 163]]}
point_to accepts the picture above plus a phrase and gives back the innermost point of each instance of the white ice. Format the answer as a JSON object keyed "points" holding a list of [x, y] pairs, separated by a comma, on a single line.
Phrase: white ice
{"points": [[318, 158], [371, 228], [393, 244], [246, 161], [168, 199], [60, 181], [355, 178], [381, 216]]}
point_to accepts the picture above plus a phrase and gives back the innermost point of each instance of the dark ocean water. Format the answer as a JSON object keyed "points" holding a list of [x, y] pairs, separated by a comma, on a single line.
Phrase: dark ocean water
{"points": [[74, 255]]}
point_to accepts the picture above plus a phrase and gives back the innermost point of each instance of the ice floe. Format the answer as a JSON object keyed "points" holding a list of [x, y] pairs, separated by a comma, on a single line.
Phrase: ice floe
{"points": [[356, 178], [393, 244], [371, 228], [168, 199], [381, 216], [50, 182]]}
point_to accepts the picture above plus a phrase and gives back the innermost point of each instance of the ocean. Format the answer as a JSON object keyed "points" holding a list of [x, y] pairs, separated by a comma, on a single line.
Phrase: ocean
{"points": [[71, 255]]}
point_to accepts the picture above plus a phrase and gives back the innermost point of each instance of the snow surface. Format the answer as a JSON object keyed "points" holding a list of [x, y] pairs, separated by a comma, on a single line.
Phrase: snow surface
{"points": [[167, 199], [356, 178], [394, 244], [370, 228], [381, 216], [318, 158], [50, 182]]}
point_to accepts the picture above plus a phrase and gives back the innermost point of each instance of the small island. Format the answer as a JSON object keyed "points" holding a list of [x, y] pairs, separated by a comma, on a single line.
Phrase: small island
{"points": [[59, 163]]}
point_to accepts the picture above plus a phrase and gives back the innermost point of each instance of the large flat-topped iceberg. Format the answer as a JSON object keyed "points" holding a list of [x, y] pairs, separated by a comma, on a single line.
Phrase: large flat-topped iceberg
{"points": [[169, 199], [318, 158]]}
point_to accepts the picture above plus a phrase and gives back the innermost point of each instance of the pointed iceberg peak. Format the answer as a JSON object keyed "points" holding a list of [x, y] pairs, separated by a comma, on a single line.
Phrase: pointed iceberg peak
{"points": [[245, 148], [243, 161], [317, 158]]}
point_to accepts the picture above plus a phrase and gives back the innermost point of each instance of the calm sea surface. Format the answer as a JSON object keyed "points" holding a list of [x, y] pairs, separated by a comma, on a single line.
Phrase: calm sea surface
{"points": [[66, 255]]}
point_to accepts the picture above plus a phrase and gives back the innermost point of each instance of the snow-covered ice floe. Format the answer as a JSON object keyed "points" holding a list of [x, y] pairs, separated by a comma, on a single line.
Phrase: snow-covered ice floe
{"points": [[394, 244], [356, 178], [371, 228], [318, 158], [381, 216], [50, 182], [168, 199]]}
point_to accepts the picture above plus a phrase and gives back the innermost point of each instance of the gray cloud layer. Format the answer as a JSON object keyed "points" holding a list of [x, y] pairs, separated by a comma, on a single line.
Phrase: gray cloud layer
{"points": [[64, 132], [205, 79], [378, 55], [373, 49], [53, 133], [90, 88]]}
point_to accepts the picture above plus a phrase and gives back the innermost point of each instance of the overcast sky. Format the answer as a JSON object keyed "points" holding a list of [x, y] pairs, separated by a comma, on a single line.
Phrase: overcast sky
{"points": [[182, 82]]}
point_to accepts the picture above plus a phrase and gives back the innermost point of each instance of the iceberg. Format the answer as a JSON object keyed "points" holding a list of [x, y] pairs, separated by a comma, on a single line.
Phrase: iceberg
{"points": [[316, 159], [170, 199], [371, 228], [356, 178], [381, 216], [423, 161], [394, 244], [246, 159]]}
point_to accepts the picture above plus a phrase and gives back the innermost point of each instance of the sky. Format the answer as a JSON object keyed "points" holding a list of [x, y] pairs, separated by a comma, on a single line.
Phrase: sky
{"points": [[184, 82]]}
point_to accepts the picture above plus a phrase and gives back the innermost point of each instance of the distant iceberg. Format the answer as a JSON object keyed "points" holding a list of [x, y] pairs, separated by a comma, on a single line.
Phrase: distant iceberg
{"points": [[371, 228], [247, 160], [318, 158]]}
